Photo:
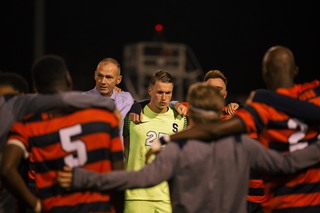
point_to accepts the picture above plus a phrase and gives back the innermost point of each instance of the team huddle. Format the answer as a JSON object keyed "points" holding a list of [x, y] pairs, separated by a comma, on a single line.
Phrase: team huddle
{"points": [[102, 151]]}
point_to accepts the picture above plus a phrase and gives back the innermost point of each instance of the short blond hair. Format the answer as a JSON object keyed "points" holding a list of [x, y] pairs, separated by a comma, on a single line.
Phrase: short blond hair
{"points": [[205, 102]]}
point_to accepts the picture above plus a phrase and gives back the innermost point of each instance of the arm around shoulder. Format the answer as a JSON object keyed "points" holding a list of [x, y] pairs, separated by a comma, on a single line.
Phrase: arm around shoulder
{"points": [[79, 100], [274, 162]]}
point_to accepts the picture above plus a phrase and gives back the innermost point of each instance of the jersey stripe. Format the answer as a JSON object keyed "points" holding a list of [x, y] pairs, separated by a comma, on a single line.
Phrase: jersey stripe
{"points": [[87, 138], [294, 193], [58, 163]]}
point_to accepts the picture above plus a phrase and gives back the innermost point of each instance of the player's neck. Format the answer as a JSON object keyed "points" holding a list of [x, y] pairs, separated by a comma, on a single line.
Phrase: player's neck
{"points": [[157, 109]]}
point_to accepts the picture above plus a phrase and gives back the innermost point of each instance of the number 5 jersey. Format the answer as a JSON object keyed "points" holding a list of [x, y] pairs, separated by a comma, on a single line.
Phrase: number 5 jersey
{"points": [[88, 138]]}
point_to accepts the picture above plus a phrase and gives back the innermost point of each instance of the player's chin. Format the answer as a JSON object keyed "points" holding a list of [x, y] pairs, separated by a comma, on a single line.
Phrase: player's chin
{"points": [[104, 91], [163, 104]]}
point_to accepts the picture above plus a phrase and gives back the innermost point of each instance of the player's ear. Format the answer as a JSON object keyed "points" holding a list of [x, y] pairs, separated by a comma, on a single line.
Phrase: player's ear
{"points": [[149, 90], [119, 78]]}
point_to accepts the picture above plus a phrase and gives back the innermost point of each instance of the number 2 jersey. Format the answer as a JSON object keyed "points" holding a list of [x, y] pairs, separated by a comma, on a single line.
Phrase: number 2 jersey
{"points": [[87, 138], [279, 131]]}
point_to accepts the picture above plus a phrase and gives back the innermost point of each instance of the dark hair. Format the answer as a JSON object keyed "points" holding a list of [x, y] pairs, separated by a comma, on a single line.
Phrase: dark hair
{"points": [[162, 76], [14, 80], [48, 71], [215, 74]]}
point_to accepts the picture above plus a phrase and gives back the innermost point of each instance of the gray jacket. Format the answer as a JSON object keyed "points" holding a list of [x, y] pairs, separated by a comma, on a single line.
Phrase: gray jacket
{"points": [[12, 108], [206, 177]]}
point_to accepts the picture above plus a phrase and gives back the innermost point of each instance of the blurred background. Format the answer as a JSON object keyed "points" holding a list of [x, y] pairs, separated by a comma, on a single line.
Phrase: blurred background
{"points": [[186, 37]]}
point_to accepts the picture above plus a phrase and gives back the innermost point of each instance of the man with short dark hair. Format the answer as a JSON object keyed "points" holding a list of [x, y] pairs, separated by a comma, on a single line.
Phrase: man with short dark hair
{"points": [[88, 138]]}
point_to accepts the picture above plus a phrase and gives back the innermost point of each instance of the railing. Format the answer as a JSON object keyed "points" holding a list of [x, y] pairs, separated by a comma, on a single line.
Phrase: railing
{"points": [[142, 59]]}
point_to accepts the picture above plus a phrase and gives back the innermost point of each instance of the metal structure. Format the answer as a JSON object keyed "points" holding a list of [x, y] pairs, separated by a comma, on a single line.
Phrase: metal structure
{"points": [[142, 59]]}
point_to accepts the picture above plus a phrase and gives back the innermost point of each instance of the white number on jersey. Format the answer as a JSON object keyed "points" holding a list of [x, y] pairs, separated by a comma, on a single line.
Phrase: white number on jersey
{"points": [[298, 135], [152, 136], [73, 146]]}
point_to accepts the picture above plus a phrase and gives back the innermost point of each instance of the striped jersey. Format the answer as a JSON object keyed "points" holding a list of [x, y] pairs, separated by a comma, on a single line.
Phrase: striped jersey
{"points": [[88, 138], [279, 131], [256, 188], [153, 126], [256, 185]]}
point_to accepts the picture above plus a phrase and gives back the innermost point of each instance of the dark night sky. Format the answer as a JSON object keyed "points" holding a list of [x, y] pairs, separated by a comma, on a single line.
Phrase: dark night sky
{"points": [[226, 35]]}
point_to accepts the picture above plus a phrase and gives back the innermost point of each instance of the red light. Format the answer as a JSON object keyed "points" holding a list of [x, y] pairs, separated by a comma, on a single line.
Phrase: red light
{"points": [[158, 27]]}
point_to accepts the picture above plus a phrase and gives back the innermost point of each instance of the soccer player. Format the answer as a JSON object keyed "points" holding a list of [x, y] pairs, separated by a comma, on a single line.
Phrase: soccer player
{"points": [[158, 119], [277, 130], [87, 138], [205, 177]]}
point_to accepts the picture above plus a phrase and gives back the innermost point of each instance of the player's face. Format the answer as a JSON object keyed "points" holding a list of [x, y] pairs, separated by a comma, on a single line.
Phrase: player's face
{"points": [[218, 83], [107, 77], [160, 96]]}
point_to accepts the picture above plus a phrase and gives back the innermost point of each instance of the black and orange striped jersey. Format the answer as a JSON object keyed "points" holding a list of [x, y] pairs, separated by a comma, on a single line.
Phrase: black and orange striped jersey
{"points": [[88, 138], [279, 131], [256, 184], [256, 188]]}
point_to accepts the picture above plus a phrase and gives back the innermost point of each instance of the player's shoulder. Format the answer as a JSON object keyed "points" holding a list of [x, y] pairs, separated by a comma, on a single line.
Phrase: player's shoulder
{"points": [[125, 96], [175, 114]]}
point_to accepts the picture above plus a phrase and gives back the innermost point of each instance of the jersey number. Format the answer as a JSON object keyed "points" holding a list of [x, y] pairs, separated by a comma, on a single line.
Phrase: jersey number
{"points": [[152, 136], [77, 146], [298, 135]]}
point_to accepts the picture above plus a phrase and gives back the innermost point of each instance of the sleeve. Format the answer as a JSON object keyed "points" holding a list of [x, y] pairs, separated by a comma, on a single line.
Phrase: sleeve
{"points": [[12, 109], [159, 170], [18, 136], [138, 106], [78, 100], [116, 144], [255, 116], [308, 112], [273, 162], [8, 115], [173, 103], [26, 104], [32, 103], [247, 120], [126, 126]]}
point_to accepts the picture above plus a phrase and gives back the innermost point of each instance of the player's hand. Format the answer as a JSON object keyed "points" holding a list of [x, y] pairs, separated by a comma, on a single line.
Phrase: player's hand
{"points": [[136, 118], [64, 177], [155, 148], [231, 108], [181, 109]]}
